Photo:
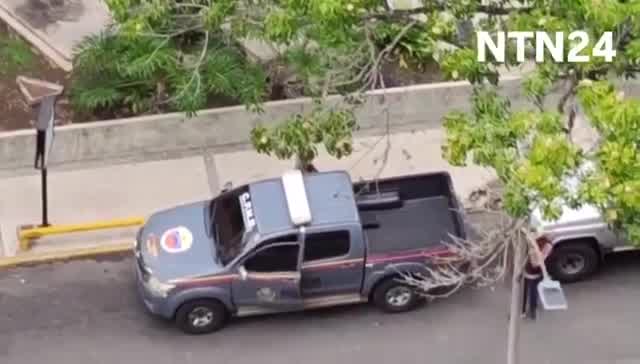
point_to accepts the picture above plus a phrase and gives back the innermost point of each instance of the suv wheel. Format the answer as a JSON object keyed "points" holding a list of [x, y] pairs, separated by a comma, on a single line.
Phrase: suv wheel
{"points": [[392, 295], [201, 317], [573, 261]]}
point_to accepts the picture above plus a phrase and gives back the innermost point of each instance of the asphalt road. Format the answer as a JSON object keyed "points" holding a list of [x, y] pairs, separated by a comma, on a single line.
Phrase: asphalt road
{"points": [[87, 312]]}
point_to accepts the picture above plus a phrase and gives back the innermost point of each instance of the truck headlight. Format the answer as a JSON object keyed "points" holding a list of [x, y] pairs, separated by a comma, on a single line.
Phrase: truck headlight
{"points": [[158, 288]]}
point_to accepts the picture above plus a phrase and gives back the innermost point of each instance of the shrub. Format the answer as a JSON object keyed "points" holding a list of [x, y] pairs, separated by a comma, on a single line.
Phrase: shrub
{"points": [[116, 74]]}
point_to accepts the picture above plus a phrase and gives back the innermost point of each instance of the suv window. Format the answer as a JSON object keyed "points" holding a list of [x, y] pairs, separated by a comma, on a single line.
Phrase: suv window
{"points": [[279, 258], [326, 245]]}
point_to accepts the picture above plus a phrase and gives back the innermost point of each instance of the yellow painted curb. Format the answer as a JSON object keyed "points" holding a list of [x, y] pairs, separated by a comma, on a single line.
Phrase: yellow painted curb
{"points": [[62, 255], [26, 235]]}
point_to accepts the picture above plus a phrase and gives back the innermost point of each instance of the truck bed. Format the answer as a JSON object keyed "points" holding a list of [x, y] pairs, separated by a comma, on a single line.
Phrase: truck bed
{"points": [[409, 212]]}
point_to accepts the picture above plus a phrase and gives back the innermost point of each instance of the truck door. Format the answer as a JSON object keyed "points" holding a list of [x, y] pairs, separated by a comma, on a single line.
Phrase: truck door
{"points": [[333, 263], [269, 279]]}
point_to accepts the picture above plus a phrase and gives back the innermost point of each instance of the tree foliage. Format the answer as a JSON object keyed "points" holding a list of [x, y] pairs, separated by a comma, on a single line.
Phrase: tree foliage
{"points": [[318, 36], [15, 55], [300, 136], [531, 149], [614, 186], [339, 46], [148, 74]]}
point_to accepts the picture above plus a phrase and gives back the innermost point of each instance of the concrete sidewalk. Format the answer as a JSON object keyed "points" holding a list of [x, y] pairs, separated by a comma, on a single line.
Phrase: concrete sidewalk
{"points": [[126, 190], [55, 27], [375, 156]]}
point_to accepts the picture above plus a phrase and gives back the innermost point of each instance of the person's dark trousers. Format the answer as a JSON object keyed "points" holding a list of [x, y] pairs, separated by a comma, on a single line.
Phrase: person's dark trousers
{"points": [[531, 296]]}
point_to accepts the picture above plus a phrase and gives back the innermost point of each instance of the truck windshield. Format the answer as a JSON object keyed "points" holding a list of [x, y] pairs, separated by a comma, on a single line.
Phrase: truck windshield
{"points": [[232, 217]]}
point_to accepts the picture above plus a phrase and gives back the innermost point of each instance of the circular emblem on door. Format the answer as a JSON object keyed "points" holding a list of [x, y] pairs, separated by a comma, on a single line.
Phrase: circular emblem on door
{"points": [[266, 294]]}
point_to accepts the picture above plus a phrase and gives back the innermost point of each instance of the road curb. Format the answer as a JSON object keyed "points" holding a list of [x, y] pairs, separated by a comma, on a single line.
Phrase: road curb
{"points": [[31, 259]]}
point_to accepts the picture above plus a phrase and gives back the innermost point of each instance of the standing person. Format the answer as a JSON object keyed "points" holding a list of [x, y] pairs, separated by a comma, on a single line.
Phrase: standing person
{"points": [[532, 276]]}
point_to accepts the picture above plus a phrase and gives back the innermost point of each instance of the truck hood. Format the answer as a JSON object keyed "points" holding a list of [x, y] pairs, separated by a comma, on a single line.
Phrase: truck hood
{"points": [[176, 243], [570, 218], [586, 215]]}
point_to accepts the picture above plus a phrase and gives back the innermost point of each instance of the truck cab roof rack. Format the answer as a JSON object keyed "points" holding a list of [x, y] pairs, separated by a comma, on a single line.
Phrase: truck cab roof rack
{"points": [[296, 196]]}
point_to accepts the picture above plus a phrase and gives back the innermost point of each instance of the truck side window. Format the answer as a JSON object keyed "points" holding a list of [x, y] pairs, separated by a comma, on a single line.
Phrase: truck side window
{"points": [[282, 239], [326, 245], [279, 258]]}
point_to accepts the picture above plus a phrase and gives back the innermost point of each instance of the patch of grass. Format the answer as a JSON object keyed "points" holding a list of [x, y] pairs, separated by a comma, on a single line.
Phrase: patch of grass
{"points": [[15, 55]]}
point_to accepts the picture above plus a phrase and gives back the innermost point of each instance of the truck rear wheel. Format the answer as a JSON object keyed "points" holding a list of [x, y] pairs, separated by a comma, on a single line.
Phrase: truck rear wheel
{"points": [[201, 317], [573, 261], [392, 295]]}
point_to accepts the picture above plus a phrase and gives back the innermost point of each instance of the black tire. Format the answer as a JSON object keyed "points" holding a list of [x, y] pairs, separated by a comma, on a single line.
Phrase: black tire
{"points": [[393, 289], [573, 261], [212, 313]]}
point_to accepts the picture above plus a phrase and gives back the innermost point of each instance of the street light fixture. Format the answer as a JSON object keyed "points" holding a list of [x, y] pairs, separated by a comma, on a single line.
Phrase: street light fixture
{"points": [[44, 141], [43, 94]]}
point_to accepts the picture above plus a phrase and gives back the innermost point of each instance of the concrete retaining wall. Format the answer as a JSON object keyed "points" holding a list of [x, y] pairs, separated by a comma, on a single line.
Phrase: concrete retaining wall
{"points": [[420, 107]]}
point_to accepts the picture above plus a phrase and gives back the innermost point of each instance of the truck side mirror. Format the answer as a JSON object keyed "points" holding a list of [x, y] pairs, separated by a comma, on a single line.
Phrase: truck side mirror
{"points": [[243, 273]]}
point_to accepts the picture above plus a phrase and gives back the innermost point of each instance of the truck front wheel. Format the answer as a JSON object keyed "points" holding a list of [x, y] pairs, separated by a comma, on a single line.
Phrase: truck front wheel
{"points": [[573, 261], [201, 317], [392, 295]]}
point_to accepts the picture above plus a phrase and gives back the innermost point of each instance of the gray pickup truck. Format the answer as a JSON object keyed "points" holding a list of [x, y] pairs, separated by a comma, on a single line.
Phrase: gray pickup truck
{"points": [[294, 243]]}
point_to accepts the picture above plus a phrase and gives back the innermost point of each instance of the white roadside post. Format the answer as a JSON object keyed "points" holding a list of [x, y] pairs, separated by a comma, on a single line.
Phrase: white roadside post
{"points": [[514, 320]]}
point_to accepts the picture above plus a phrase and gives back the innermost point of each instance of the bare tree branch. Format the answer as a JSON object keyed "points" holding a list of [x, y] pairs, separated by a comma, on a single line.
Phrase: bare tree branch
{"points": [[478, 262], [373, 74], [195, 75], [569, 94]]}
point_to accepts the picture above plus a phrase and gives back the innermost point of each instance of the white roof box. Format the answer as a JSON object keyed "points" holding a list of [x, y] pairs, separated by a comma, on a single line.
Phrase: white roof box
{"points": [[296, 195]]}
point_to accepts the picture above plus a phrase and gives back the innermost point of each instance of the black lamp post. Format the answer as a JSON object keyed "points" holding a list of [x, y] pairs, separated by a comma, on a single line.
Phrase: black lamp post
{"points": [[44, 140]]}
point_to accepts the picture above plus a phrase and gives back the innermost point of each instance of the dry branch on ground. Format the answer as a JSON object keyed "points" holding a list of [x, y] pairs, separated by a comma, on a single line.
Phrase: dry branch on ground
{"points": [[483, 259]]}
